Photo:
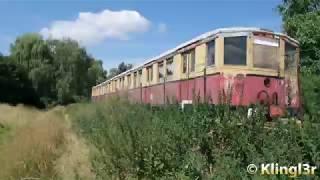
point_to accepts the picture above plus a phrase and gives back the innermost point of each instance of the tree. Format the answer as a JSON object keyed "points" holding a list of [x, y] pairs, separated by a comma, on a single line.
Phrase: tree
{"points": [[96, 73], [301, 20], [15, 85], [33, 53], [61, 71], [122, 67]]}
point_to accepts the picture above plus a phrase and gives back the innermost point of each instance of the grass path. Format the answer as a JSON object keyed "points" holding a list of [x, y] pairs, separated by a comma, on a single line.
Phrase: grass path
{"points": [[74, 163], [41, 144]]}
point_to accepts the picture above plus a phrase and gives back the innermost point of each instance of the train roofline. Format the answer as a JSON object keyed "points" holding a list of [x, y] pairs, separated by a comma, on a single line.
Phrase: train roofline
{"points": [[207, 35]]}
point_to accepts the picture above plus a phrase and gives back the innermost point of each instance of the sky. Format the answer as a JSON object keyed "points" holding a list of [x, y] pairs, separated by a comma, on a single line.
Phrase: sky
{"points": [[130, 30]]}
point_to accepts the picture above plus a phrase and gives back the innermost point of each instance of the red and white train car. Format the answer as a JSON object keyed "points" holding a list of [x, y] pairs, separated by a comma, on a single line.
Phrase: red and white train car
{"points": [[240, 66]]}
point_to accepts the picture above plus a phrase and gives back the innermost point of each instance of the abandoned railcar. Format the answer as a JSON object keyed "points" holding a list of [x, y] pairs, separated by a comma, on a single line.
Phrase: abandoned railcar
{"points": [[240, 66]]}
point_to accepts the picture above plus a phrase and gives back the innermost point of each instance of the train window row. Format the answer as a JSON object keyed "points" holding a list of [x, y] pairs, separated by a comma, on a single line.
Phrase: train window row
{"points": [[265, 54]]}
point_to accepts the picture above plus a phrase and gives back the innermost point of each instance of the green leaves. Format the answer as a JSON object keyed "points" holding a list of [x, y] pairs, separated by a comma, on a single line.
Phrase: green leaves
{"points": [[134, 141], [61, 72], [301, 20]]}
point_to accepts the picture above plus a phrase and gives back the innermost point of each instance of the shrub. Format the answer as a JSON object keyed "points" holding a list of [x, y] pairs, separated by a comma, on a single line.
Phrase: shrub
{"points": [[135, 141]]}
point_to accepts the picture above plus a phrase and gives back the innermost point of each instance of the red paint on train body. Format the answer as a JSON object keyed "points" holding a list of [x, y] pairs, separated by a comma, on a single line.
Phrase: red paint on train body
{"points": [[237, 90]]}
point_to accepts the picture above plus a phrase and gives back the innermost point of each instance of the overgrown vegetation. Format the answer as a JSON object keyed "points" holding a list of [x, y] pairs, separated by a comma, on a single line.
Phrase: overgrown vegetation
{"points": [[31, 144], [138, 142], [40, 145]]}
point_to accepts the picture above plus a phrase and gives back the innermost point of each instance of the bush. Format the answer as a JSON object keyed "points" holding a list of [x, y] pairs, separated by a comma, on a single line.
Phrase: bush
{"points": [[204, 142]]}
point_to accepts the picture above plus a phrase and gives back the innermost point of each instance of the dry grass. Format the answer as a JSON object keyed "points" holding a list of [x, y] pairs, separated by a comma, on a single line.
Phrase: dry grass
{"points": [[40, 144], [74, 163]]}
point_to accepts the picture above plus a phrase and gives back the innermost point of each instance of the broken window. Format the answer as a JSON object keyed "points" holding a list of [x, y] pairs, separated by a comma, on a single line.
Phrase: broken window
{"points": [[169, 67], [188, 61], [184, 63], [161, 71], [211, 53], [290, 56], [235, 50], [149, 74], [134, 79], [266, 53]]}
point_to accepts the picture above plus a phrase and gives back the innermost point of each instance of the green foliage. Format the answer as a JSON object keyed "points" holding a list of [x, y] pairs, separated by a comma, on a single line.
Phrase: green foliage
{"points": [[61, 71], [15, 85], [311, 95], [122, 67], [139, 142], [301, 20]]}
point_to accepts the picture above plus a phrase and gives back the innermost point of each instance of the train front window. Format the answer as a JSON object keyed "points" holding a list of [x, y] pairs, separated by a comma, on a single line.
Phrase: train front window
{"points": [[266, 53], [290, 54], [235, 50]]}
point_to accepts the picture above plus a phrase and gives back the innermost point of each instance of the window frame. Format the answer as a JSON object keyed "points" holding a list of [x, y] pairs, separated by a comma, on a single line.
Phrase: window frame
{"points": [[189, 61], [162, 74], [246, 50], [207, 54], [169, 64]]}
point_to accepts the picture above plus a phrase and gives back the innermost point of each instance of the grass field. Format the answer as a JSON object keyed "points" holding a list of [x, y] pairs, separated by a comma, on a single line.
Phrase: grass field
{"points": [[40, 144], [119, 140]]}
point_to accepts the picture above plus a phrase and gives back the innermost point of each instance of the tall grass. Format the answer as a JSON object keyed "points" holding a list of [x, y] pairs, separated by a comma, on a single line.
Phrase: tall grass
{"points": [[202, 142], [32, 143]]}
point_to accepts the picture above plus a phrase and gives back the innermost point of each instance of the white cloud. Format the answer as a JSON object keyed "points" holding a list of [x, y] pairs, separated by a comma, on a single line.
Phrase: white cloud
{"points": [[92, 28], [162, 27]]}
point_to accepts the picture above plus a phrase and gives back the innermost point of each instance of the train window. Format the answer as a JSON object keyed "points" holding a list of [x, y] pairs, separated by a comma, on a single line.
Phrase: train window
{"points": [[211, 53], [184, 62], [139, 78], [169, 65], [290, 52], [266, 53], [134, 79], [161, 71], [129, 81], [192, 60], [188, 59], [235, 50], [149, 74]]}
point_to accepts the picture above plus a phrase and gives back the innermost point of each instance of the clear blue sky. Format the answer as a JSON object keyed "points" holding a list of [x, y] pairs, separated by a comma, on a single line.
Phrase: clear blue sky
{"points": [[113, 35]]}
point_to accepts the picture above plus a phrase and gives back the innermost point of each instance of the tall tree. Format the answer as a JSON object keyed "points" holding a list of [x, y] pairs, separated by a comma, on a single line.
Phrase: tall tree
{"points": [[122, 67], [33, 53], [301, 20], [15, 85], [60, 70]]}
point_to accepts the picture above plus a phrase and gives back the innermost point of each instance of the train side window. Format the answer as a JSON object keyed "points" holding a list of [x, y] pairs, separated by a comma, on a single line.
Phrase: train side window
{"points": [[192, 60], [235, 50], [134, 79], [169, 72], [266, 53], [139, 78], [161, 71], [149, 74], [184, 62], [211, 53], [188, 59], [129, 81]]}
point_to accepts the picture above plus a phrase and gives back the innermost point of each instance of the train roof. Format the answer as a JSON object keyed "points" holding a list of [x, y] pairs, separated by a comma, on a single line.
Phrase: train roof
{"points": [[209, 34]]}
